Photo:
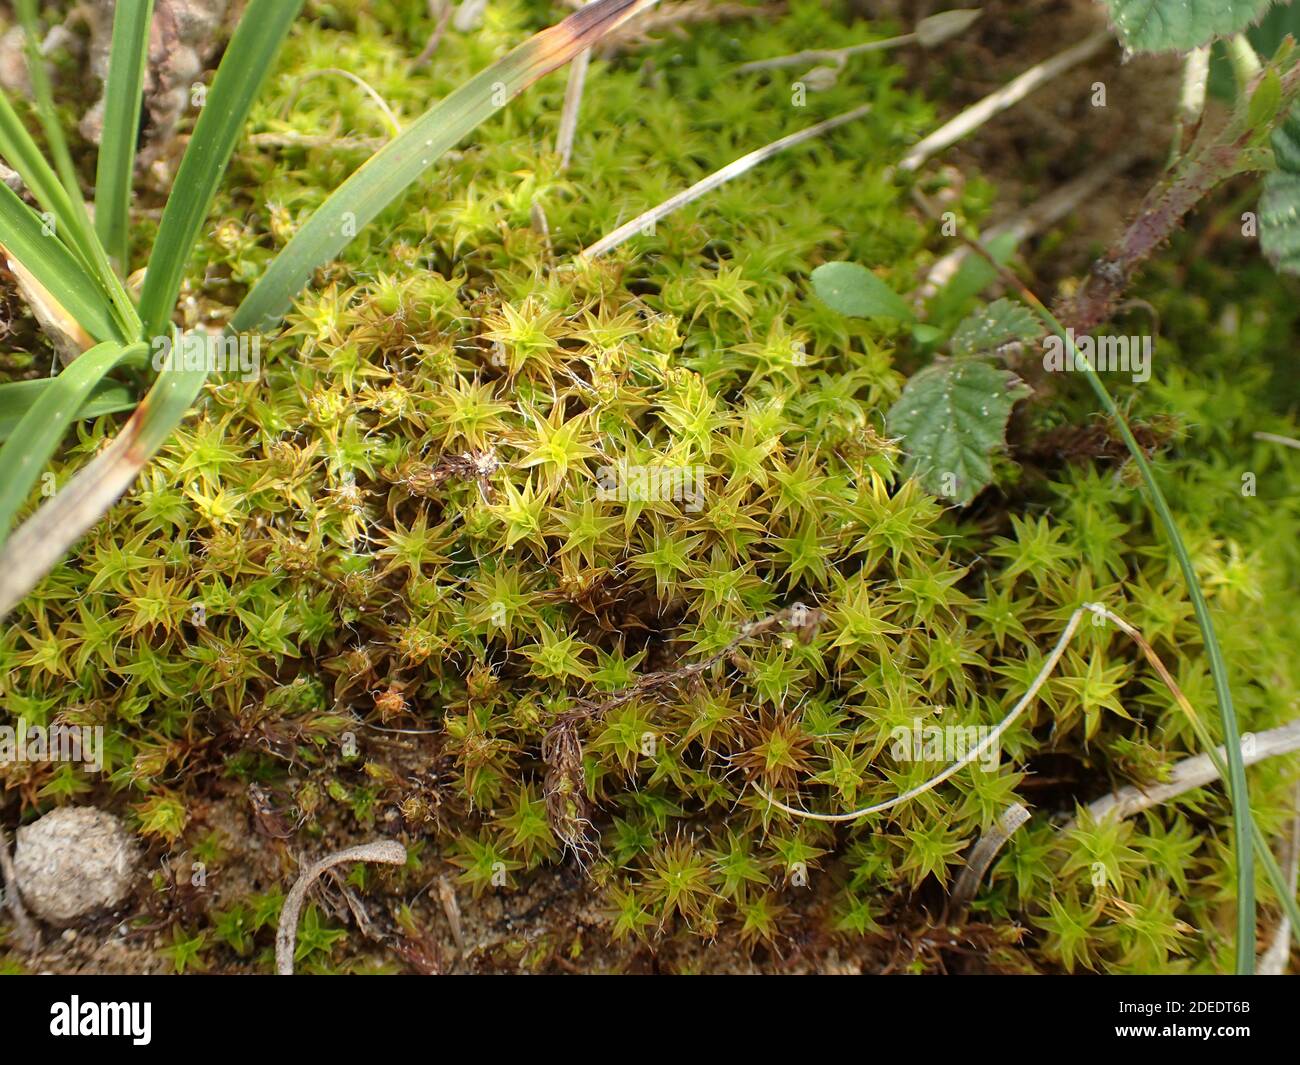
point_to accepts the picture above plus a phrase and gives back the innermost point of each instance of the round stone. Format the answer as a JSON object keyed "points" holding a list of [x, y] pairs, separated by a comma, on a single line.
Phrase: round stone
{"points": [[73, 862]]}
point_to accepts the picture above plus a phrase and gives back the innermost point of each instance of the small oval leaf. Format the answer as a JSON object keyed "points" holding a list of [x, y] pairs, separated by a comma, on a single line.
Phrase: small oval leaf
{"points": [[855, 291]]}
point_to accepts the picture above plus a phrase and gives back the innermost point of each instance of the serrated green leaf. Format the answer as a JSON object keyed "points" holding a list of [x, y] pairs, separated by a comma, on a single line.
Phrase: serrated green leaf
{"points": [[1279, 203], [1180, 25], [1001, 322], [856, 292], [951, 418]]}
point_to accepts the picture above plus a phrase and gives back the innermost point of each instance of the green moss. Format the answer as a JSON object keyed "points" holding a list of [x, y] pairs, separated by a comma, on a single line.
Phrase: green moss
{"points": [[401, 523]]}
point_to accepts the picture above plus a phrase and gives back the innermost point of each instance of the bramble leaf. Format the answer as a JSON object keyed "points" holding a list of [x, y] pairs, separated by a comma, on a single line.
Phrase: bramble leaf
{"points": [[950, 418], [1181, 25], [1279, 204], [989, 328]]}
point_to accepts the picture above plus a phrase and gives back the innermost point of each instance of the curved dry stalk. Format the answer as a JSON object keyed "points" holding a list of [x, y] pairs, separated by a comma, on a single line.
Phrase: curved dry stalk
{"points": [[929, 33], [1273, 438], [646, 221], [388, 851], [568, 128], [1090, 307], [1008, 96], [1190, 773], [356, 80], [1194, 772], [1273, 961], [972, 756], [992, 841], [824, 55]]}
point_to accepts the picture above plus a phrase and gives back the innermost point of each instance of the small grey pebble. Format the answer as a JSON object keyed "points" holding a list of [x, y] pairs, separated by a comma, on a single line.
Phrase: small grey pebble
{"points": [[73, 862]]}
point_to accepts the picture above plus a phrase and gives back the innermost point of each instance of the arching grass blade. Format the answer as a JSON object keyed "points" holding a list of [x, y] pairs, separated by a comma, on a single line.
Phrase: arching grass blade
{"points": [[37, 435], [243, 69]]}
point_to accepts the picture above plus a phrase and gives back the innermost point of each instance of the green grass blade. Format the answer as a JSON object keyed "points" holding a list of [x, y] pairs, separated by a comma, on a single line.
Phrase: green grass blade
{"points": [[81, 230], [70, 222], [38, 433], [43, 95], [123, 98], [1246, 834], [106, 397], [1280, 883], [21, 152], [1244, 831], [26, 238], [243, 69], [392, 169], [39, 543]]}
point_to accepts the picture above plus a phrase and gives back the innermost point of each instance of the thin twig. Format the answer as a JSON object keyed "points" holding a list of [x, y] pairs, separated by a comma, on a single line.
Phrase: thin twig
{"points": [[1008, 96], [1112, 275], [973, 755], [451, 907], [1038, 216], [1273, 961], [568, 128], [646, 221], [387, 851], [28, 935], [356, 80], [1191, 773], [355, 906], [981, 857], [1194, 772], [564, 787], [435, 38], [929, 33], [819, 55], [1273, 438]]}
